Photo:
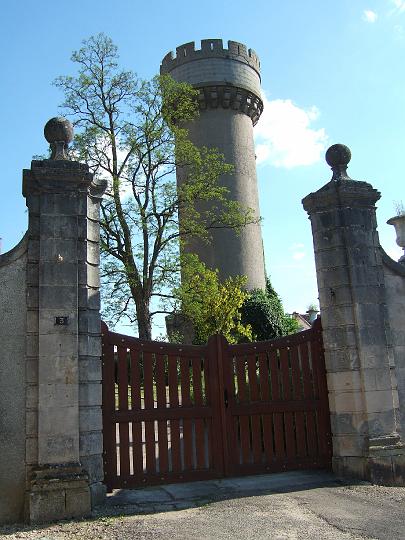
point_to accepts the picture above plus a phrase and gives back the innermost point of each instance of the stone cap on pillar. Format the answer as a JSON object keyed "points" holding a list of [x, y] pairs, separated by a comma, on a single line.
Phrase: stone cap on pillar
{"points": [[341, 190], [58, 131], [338, 157], [59, 173]]}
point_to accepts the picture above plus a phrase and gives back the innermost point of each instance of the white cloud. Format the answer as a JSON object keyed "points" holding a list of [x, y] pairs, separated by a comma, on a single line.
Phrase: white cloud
{"points": [[284, 136], [369, 16], [298, 251], [399, 5]]}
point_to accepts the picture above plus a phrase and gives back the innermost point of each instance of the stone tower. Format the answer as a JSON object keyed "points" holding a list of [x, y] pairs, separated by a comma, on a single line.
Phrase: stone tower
{"points": [[230, 105]]}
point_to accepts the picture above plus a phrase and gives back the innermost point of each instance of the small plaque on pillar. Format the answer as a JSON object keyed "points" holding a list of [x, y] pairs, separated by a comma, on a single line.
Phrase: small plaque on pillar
{"points": [[61, 320]]}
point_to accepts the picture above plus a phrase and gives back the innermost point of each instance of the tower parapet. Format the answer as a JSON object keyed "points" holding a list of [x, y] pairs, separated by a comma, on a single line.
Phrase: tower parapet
{"points": [[210, 48], [228, 78]]}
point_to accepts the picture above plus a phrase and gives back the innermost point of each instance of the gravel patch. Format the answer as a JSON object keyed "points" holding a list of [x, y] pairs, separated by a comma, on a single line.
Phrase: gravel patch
{"points": [[340, 512]]}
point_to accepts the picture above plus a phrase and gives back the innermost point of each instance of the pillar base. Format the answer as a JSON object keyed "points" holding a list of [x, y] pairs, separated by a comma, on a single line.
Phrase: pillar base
{"points": [[58, 492], [384, 465], [98, 493], [386, 461]]}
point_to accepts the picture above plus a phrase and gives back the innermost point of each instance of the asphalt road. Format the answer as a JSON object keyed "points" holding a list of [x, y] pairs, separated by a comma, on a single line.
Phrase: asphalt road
{"points": [[302, 506]]}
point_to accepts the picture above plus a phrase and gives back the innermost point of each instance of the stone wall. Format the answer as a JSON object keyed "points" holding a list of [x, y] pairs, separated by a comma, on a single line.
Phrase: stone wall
{"points": [[12, 382], [394, 277]]}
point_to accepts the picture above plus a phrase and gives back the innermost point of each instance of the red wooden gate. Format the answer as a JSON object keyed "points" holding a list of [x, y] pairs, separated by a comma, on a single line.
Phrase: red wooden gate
{"points": [[175, 413]]}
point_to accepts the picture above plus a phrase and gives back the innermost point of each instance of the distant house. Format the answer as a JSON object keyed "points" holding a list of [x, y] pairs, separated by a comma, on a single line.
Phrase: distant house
{"points": [[306, 320]]}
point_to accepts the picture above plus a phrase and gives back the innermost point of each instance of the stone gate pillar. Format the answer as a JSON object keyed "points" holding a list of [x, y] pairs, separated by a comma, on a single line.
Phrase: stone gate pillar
{"points": [[359, 358], [63, 418]]}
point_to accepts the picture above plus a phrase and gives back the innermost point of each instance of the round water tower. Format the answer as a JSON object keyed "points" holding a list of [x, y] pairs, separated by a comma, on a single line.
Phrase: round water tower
{"points": [[230, 102]]}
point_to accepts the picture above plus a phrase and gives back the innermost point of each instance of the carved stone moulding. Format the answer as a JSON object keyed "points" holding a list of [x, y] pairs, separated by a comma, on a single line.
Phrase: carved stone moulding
{"points": [[231, 97]]}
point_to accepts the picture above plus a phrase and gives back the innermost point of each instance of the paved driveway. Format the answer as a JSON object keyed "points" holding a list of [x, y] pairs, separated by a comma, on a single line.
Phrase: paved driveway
{"points": [[299, 505]]}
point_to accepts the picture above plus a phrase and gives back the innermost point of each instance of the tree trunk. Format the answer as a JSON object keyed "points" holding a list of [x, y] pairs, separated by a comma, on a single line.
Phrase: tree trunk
{"points": [[144, 325]]}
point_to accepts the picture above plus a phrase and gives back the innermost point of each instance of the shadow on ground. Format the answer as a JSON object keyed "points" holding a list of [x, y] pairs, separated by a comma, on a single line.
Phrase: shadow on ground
{"points": [[174, 497]]}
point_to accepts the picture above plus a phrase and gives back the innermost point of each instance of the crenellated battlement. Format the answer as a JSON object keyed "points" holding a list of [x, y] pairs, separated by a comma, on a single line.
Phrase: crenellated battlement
{"points": [[210, 48]]}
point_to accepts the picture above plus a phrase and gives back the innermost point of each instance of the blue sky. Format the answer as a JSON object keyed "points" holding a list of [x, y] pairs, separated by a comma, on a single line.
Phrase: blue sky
{"points": [[332, 71]]}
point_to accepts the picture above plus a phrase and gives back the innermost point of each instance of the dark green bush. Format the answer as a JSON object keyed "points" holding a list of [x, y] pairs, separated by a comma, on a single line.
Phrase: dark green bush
{"points": [[264, 311]]}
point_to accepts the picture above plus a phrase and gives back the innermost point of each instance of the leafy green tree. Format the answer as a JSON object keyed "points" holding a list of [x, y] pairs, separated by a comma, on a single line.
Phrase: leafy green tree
{"points": [[264, 312], [212, 307], [132, 135]]}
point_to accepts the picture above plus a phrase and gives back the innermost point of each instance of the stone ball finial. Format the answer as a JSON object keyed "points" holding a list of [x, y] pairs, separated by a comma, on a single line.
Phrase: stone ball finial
{"points": [[338, 154], [338, 157], [58, 131]]}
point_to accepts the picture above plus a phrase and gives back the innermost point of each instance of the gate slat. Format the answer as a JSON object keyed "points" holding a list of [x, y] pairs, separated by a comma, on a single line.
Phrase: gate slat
{"points": [[198, 422], [277, 418], [109, 428], [313, 357], [243, 420], [279, 435], [311, 433], [267, 419], [207, 397], [288, 416], [241, 379], [279, 450], [289, 434], [149, 404], [285, 374], [123, 406], [122, 379], [264, 377], [306, 374], [274, 372], [200, 443], [174, 424], [296, 373], [323, 412], [268, 437], [161, 404], [232, 423], [213, 452], [197, 382], [298, 394], [300, 434], [308, 394], [187, 423], [137, 442], [256, 434], [252, 378], [124, 449]]}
